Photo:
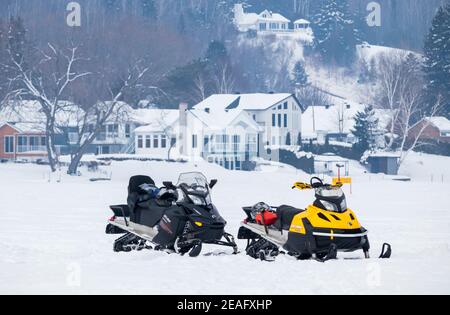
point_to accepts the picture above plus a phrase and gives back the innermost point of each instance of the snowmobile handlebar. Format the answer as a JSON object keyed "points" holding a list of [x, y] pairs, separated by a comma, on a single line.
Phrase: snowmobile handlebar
{"points": [[315, 183]]}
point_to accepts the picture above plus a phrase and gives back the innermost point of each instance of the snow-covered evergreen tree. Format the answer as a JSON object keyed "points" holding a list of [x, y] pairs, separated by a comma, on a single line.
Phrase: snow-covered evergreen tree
{"points": [[366, 130], [335, 32], [437, 62], [288, 139], [300, 77]]}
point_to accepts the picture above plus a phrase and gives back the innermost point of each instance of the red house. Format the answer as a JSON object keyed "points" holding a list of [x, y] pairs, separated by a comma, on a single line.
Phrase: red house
{"points": [[436, 128], [22, 141]]}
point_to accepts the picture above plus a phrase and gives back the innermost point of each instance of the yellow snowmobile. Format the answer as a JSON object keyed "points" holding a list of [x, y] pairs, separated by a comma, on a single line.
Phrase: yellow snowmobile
{"points": [[321, 231]]}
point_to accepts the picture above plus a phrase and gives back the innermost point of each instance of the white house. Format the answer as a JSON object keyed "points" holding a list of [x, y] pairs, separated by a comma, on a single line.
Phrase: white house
{"points": [[279, 115], [158, 135], [302, 24], [228, 138], [266, 21]]}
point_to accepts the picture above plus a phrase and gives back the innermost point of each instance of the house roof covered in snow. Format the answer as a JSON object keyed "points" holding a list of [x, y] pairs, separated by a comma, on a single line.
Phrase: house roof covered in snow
{"points": [[220, 120], [335, 119], [272, 17], [259, 101], [442, 123], [155, 120], [302, 21]]}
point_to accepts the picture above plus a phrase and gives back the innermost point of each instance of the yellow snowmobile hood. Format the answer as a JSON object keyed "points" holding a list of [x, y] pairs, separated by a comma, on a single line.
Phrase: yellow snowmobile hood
{"points": [[323, 219]]}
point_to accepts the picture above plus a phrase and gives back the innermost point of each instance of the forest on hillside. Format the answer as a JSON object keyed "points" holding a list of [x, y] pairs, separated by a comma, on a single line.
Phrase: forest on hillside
{"points": [[404, 22], [191, 48]]}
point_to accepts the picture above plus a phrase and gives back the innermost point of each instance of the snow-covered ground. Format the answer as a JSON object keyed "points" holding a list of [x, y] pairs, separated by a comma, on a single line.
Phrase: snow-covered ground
{"points": [[52, 236]]}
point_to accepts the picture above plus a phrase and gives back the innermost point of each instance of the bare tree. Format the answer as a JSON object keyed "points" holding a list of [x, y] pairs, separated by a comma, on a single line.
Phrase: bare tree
{"points": [[410, 107], [224, 79], [167, 130], [90, 120], [46, 76], [393, 80], [312, 96], [402, 90], [200, 87]]}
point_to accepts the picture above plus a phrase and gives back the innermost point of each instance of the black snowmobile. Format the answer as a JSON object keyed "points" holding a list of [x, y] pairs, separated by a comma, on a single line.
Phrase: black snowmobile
{"points": [[175, 218], [320, 231]]}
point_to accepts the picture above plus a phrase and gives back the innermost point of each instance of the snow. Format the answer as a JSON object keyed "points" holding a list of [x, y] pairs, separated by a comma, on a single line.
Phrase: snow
{"points": [[369, 52], [220, 119], [154, 119], [318, 119], [256, 101], [302, 21], [442, 123], [52, 235]]}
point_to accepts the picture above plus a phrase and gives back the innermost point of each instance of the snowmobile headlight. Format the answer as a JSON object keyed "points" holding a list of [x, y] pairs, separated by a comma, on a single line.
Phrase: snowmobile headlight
{"points": [[329, 206], [197, 200]]}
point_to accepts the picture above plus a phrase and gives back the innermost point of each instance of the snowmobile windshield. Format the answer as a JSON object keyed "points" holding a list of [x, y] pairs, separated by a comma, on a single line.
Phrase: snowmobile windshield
{"points": [[330, 192], [331, 198], [195, 186]]}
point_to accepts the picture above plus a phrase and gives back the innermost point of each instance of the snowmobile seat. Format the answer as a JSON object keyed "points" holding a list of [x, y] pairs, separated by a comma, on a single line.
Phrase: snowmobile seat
{"points": [[137, 181], [285, 216], [137, 197]]}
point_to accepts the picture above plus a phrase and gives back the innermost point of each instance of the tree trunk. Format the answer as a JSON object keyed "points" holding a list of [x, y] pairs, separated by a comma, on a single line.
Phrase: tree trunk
{"points": [[51, 149], [74, 163]]}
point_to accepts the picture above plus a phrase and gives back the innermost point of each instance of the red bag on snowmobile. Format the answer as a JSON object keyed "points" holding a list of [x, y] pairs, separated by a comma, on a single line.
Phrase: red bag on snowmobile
{"points": [[266, 218]]}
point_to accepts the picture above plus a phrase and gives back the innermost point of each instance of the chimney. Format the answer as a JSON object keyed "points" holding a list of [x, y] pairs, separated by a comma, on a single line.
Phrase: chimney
{"points": [[182, 137], [183, 114]]}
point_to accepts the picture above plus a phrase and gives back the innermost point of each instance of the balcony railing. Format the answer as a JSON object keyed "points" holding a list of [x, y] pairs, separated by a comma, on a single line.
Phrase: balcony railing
{"points": [[31, 148]]}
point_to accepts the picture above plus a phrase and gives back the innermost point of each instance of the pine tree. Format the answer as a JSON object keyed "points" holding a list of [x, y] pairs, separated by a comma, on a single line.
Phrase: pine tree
{"points": [[365, 130], [217, 53], [335, 32], [300, 77], [148, 9], [288, 139], [437, 60], [299, 139]]}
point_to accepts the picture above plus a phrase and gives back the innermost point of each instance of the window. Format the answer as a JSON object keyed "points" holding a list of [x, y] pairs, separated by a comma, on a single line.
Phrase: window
{"points": [[140, 142], [128, 131], [285, 105], [9, 144], [254, 117], [285, 120], [156, 141], [113, 131], [274, 120], [236, 143], [73, 137], [163, 141], [194, 141], [279, 120], [173, 142], [43, 141], [148, 142], [22, 141], [280, 107]]}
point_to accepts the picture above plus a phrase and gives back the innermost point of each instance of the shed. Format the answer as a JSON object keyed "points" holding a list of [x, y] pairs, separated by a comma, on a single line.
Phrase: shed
{"points": [[385, 162]]}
